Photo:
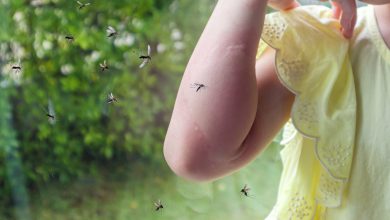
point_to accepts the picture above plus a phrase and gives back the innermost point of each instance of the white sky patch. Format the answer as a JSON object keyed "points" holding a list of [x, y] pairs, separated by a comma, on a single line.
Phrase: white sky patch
{"points": [[125, 40], [18, 16], [179, 45], [176, 34], [67, 69], [93, 57], [47, 45], [20, 21], [17, 51], [137, 23], [161, 48]]}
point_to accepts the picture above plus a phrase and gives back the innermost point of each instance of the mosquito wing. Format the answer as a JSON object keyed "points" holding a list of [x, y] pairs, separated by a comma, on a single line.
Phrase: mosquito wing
{"points": [[149, 50], [81, 4], [51, 112], [103, 65], [110, 30], [144, 62]]}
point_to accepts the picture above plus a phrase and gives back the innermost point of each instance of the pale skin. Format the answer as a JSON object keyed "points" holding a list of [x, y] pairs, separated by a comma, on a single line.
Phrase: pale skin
{"points": [[224, 126]]}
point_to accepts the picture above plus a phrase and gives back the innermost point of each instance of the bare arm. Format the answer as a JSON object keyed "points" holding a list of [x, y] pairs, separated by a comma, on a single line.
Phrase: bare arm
{"points": [[208, 129], [222, 127]]}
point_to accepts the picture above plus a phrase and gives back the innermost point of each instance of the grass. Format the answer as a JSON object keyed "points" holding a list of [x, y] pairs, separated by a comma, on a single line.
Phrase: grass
{"points": [[128, 192]]}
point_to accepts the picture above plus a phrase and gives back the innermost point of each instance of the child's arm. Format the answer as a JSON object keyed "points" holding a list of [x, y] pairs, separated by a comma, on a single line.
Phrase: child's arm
{"points": [[223, 126]]}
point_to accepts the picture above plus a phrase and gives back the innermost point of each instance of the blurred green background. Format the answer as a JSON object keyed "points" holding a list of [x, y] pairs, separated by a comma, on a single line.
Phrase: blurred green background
{"points": [[99, 160]]}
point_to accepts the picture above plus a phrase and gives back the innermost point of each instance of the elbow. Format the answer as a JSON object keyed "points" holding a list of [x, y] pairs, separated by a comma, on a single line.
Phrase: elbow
{"points": [[193, 167]]}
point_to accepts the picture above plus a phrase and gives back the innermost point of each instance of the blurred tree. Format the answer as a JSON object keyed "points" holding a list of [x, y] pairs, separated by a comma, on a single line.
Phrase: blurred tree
{"points": [[65, 75]]}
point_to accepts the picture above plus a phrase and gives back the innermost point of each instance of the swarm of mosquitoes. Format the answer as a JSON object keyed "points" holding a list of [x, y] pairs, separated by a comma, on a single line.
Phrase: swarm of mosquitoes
{"points": [[145, 59]]}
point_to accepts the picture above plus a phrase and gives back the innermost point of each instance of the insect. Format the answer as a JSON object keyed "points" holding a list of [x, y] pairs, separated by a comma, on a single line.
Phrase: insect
{"points": [[111, 98], [103, 66], [111, 32], [145, 58], [198, 86], [158, 205], [82, 5], [245, 190], [50, 113], [69, 38], [17, 68]]}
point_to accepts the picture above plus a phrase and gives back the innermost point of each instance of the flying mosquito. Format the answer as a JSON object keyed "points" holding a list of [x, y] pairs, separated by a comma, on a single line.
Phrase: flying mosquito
{"points": [[82, 5], [17, 68], [111, 32], [158, 205], [111, 98], [198, 86], [51, 116], [69, 38], [103, 66], [145, 58], [245, 190]]}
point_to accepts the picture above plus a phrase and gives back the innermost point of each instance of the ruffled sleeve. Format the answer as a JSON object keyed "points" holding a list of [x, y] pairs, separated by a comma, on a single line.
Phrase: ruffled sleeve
{"points": [[312, 62]]}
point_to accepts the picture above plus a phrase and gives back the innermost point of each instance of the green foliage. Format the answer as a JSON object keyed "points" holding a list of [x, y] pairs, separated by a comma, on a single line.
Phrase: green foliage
{"points": [[133, 188], [88, 131]]}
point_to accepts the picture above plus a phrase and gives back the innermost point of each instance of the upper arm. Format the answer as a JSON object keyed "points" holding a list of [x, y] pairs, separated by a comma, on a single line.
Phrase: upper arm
{"points": [[273, 110]]}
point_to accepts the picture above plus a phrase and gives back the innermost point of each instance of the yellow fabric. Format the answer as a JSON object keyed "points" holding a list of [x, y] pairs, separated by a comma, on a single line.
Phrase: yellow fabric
{"points": [[312, 60], [336, 167], [367, 195]]}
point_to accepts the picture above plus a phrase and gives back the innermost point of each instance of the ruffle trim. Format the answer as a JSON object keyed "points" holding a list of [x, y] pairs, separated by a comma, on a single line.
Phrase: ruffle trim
{"points": [[325, 92]]}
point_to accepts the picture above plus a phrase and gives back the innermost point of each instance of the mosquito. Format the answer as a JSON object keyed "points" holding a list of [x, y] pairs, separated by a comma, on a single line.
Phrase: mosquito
{"points": [[69, 38], [145, 58], [158, 205], [198, 86], [245, 190], [51, 116], [103, 66], [82, 5], [111, 98], [111, 32], [17, 68]]}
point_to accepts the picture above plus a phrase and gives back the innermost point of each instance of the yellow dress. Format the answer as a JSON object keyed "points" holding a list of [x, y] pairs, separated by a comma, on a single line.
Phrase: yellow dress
{"points": [[336, 154]]}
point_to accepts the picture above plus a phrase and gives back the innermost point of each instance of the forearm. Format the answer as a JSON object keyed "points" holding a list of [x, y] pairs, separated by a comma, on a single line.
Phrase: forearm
{"points": [[213, 122]]}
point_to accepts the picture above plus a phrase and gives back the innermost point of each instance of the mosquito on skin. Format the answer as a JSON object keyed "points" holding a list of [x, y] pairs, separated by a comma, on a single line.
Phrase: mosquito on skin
{"points": [[198, 86], [82, 5], [145, 58], [111, 32], [158, 205], [103, 66]]}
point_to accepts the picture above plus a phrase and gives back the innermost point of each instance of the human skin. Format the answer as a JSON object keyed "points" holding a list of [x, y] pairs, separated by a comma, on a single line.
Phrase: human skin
{"points": [[222, 127], [382, 13]]}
